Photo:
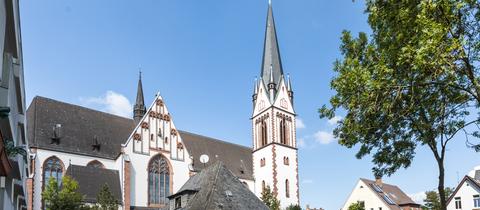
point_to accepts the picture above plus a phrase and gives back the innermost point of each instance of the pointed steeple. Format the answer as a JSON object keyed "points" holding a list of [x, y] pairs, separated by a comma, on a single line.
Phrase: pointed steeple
{"points": [[139, 108], [271, 64]]}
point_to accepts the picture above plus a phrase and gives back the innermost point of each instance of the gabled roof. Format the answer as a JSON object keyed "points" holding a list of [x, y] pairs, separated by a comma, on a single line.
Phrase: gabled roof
{"points": [[393, 192], [466, 178], [215, 187], [236, 158], [91, 180], [79, 126]]}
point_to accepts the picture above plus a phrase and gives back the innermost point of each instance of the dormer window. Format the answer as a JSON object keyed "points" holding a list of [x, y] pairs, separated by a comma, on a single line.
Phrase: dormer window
{"points": [[57, 133]]}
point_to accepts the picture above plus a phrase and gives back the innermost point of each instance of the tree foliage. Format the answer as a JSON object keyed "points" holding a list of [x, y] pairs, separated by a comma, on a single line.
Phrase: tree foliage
{"points": [[356, 206], [106, 200], [432, 200], [294, 207], [65, 197], [269, 199], [413, 83]]}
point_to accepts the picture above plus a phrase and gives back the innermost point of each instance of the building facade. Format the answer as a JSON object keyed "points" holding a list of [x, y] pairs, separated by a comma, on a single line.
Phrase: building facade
{"points": [[376, 195], [467, 193], [150, 158], [14, 170]]}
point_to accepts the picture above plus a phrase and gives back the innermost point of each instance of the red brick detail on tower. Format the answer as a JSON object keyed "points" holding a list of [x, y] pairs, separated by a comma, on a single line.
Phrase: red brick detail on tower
{"points": [[296, 170], [30, 193], [275, 181], [126, 184]]}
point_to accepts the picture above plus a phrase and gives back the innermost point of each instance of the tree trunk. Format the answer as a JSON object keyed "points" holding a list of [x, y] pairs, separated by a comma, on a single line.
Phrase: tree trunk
{"points": [[441, 185]]}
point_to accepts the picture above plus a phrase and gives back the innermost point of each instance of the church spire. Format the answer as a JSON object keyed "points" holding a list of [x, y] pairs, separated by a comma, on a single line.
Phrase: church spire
{"points": [[139, 108], [271, 64]]}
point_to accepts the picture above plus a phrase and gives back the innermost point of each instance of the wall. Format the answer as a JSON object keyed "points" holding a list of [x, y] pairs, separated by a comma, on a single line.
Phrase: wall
{"points": [[465, 192]]}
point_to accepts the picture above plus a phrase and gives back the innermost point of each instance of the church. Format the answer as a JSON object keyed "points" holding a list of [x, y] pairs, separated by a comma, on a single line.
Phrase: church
{"points": [[146, 159]]}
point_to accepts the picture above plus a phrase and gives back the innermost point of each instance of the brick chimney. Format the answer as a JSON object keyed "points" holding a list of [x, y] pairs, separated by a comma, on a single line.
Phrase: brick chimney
{"points": [[378, 181]]}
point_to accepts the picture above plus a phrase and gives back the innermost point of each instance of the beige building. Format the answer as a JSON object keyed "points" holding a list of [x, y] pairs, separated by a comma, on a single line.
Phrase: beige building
{"points": [[13, 167]]}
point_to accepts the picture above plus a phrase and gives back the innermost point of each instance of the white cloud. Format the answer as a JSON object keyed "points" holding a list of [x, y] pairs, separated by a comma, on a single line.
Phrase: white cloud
{"points": [[334, 120], [418, 197], [111, 102], [324, 137], [299, 123], [301, 143], [307, 181]]}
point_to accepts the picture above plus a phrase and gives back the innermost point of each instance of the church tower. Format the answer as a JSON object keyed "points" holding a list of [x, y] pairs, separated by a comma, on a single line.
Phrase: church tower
{"points": [[275, 162], [139, 107]]}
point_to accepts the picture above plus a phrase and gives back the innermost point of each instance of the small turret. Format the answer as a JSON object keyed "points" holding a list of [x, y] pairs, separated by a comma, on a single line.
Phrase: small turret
{"points": [[139, 108], [289, 88], [255, 91], [271, 86]]}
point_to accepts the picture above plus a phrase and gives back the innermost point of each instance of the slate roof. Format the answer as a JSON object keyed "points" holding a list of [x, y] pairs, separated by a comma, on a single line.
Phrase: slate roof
{"points": [[237, 158], [79, 127], [271, 62], [216, 187], [393, 192], [91, 180]]}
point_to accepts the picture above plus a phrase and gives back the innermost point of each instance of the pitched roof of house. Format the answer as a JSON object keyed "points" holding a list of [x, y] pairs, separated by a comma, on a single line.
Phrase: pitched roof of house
{"points": [[237, 158], [91, 180], [216, 187], [392, 192], [79, 127], [474, 181]]}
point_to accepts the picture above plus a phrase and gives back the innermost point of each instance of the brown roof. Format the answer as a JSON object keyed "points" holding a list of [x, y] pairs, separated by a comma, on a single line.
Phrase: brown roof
{"points": [[393, 192], [236, 158], [79, 126]]}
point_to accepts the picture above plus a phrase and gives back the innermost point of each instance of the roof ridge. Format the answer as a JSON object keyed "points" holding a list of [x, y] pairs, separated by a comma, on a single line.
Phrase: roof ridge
{"points": [[82, 107], [215, 139]]}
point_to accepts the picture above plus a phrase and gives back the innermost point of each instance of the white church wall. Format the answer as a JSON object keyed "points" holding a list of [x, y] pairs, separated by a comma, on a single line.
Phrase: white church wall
{"points": [[263, 173], [363, 193], [66, 158], [285, 172]]}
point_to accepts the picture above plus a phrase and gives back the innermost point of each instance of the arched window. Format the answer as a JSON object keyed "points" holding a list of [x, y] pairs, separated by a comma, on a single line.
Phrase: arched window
{"points": [[158, 181], [283, 131], [287, 189], [263, 131], [263, 185], [52, 169], [95, 164]]}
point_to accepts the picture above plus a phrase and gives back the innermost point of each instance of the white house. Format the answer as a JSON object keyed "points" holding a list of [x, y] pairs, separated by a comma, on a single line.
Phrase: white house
{"points": [[467, 193], [376, 195], [147, 158], [14, 169]]}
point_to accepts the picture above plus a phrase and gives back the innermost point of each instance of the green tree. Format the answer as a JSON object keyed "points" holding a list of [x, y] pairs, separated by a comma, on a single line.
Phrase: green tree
{"points": [[413, 83], [432, 200], [269, 199], [65, 197], [294, 207], [356, 206], [106, 200]]}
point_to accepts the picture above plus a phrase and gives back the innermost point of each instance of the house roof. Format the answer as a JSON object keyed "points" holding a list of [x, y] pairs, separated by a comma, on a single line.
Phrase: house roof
{"points": [[393, 192], [216, 187], [91, 180], [237, 158], [79, 127], [465, 178]]}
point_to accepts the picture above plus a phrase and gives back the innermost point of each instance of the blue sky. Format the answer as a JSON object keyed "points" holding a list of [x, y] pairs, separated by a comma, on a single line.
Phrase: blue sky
{"points": [[202, 57]]}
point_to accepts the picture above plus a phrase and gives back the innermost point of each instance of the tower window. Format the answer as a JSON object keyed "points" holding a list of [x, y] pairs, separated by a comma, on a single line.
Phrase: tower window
{"points": [[286, 161], [263, 185], [263, 132], [283, 131], [262, 162], [287, 189]]}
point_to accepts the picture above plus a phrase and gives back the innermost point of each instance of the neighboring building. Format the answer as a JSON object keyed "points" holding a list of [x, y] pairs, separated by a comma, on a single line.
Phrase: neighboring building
{"points": [[13, 169], [466, 194], [376, 195], [215, 187], [152, 158]]}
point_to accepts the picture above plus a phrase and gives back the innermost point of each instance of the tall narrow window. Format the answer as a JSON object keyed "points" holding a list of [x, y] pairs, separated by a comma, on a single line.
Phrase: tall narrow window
{"points": [[287, 189], [263, 185], [264, 133], [158, 181], [476, 201], [282, 131], [52, 169]]}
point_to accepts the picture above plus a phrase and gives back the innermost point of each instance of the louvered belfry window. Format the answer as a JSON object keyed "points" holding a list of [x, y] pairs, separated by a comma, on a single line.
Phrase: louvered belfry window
{"points": [[158, 181]]}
